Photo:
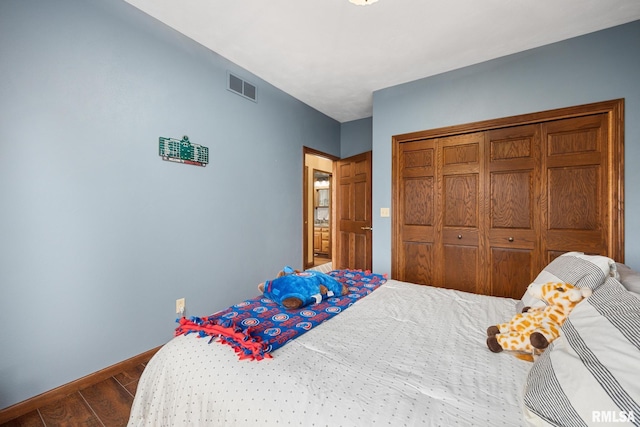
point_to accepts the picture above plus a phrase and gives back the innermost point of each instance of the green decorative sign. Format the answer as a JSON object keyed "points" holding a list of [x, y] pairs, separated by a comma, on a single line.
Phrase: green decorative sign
{"points": [[182, 151]]}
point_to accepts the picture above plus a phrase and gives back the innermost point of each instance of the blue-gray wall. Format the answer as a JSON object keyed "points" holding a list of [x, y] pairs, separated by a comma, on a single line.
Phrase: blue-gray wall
{"points": [[596, 67], [356, 137], [98, 235]]}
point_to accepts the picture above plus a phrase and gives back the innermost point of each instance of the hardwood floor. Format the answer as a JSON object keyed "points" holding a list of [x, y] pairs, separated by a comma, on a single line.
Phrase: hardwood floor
{"points": [[320, 259], [105, 404]]}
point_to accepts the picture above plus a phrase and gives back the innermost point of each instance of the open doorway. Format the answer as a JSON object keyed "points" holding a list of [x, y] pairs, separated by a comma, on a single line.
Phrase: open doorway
{"points": [[322, 203], [318, 209]]}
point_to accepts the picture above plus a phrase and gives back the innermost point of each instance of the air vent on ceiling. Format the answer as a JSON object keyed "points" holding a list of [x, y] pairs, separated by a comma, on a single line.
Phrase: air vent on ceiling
{"points": [[242, 87]]}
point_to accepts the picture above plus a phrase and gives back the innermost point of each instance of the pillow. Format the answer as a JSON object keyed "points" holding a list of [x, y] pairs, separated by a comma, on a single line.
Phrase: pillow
{"points": [[629, 278], [582, 271], [322, 268], [590, 373]]}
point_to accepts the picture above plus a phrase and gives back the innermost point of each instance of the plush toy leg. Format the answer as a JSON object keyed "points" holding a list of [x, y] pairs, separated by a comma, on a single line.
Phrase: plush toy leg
{"points": [[492, 343], [541, 338], [492, 330], [514, 325], [514, 341], [539, 341]]}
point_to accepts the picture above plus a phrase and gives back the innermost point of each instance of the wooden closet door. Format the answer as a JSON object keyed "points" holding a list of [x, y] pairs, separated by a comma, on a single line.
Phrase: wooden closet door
{"points": [[416, 206], [483, 207], [513, 189], [577, 200], [460, 215]]}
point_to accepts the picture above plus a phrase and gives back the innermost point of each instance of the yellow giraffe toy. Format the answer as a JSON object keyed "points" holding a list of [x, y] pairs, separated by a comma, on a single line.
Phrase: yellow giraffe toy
{"points": [[530, 332]]}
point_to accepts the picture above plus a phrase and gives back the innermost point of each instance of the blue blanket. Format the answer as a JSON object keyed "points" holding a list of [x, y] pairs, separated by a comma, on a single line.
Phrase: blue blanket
{"points": [[257, 326]]}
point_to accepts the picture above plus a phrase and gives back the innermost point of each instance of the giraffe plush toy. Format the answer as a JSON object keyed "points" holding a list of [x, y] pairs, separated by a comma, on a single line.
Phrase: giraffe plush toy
{"points": [[530, 332]]}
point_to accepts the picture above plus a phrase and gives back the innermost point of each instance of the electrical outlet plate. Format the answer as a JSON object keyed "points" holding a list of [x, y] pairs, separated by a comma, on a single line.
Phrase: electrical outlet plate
{"points": [[180, 305], [384, 212]]}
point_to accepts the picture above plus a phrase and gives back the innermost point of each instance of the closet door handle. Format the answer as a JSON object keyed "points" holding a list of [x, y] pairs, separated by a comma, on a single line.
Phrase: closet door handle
{"points": [[366, 228]]}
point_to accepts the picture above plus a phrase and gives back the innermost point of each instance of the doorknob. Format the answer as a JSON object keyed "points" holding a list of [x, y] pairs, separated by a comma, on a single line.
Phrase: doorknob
{"points": [[366, 228]]}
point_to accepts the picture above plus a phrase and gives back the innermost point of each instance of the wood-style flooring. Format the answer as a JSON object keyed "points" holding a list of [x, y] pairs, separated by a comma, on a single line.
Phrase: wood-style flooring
{"points": [[320, 259], [105, 404]]}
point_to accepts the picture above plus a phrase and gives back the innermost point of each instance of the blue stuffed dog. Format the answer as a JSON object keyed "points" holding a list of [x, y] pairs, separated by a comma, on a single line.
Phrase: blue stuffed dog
{"points": [[293, 289]]}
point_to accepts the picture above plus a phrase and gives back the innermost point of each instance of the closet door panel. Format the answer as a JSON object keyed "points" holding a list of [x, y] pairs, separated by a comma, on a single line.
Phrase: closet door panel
{"points": [[508, 281], [575, 172], [418, 209], [513, 164], [459, 221], [420, 267], [461, 267], [416, 193], [460, 204], [574, 199], [511, 199]]}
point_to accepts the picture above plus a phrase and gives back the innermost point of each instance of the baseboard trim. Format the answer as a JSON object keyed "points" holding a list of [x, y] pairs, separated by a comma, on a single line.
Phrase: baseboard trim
{"points": [[26, 406]]}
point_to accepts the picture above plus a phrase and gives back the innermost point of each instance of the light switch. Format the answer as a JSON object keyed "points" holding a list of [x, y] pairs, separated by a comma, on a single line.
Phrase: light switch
{"points": [[384, 212]]}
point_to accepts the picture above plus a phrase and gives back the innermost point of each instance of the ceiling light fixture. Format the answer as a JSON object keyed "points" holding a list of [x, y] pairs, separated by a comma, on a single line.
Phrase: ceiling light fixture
{"points": [[363, 2]]}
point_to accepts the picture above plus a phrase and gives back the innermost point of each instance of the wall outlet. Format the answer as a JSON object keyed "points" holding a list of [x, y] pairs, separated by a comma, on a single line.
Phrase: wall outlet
{"points": [[384, 212], [180, 304]]}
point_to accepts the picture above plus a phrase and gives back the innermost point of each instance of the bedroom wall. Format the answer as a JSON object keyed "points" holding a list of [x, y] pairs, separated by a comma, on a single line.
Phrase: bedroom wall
{"points": [[595, 67], [99, 235], [356, 137]]}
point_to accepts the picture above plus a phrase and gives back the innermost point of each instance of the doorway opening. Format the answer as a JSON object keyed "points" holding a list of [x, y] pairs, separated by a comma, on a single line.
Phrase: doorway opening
{"points": [[318, 210]]}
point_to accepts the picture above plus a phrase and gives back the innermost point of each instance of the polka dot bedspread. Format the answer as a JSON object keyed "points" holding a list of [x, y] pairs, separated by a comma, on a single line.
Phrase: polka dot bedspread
{"points": [[406, 355]]}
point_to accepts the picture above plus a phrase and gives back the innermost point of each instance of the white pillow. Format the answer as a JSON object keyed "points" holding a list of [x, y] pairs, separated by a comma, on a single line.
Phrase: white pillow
{"points": [[582, 271], [322, 268], [629, 278], [590, 372]]}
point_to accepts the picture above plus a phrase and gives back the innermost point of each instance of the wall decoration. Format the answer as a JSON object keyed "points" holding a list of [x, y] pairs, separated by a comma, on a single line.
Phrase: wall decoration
{"points": [[183, 151]]}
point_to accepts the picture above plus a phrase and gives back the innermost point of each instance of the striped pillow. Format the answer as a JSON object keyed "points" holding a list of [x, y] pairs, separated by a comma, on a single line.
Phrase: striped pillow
{"points": [[582, 271], [590, 373]]}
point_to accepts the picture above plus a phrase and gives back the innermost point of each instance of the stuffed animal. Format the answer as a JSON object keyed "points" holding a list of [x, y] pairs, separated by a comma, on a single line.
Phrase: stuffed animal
{"points": [[530, 332], [293, 289]]}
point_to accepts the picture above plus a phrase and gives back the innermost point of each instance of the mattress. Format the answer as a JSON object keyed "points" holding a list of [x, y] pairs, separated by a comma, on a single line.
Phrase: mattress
{"points": [[404, 355]]}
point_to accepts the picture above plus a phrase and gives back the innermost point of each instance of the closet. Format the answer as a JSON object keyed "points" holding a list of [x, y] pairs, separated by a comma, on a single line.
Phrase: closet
{"points": [[483, 207]]}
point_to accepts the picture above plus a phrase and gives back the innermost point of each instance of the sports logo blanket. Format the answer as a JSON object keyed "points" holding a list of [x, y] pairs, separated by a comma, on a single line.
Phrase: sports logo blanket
{"points": [[256, 327]]}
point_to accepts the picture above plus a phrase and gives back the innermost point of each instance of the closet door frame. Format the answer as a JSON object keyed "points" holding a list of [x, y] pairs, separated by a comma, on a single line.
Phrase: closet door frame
{"points": [[614, 109]]}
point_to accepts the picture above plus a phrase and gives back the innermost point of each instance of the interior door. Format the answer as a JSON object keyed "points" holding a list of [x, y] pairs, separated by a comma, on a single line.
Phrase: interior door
{"points": [[353, 202]]}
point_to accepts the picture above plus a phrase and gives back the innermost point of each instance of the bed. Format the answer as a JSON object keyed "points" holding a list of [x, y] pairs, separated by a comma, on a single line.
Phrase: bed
{"points": [[412, 355]]}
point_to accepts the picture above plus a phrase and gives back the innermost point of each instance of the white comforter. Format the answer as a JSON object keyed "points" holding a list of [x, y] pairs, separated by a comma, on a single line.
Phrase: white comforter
{"points": [[404, 355]]}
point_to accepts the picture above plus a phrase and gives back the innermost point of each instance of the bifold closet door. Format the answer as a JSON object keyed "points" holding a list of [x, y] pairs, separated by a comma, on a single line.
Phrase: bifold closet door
{"points": [[416, 205], [460, 224], [577, 201], [514, 212], [440, 211]]}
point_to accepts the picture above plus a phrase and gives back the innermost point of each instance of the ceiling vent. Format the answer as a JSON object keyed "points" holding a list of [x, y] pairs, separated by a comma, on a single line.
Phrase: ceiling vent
{"points": [[242, 87]]}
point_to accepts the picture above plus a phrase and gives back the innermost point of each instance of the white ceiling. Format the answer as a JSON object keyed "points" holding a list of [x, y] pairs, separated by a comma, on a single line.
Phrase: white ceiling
{"points": [[332, 55]]}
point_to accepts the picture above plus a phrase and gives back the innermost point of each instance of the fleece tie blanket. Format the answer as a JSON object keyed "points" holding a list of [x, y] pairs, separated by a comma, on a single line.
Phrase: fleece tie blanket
{"points": [[256, 327]]}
